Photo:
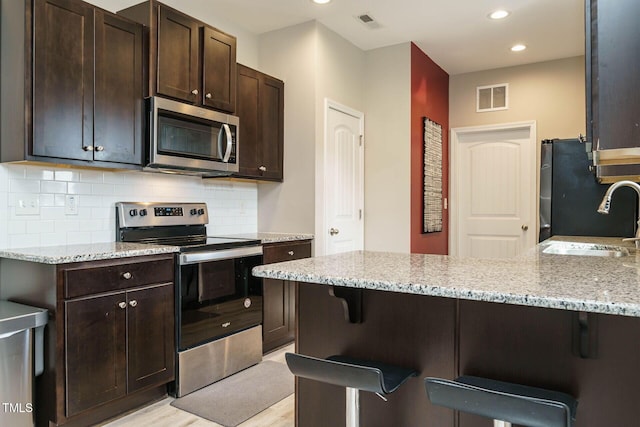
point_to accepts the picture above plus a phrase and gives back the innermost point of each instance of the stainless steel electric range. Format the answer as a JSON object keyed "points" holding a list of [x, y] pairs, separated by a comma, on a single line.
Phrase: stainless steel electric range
{"points": [[218, 302]]}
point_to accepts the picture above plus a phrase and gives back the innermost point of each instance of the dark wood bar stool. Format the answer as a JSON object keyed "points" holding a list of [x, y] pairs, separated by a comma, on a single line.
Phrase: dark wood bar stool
{"points": [[354, 374], [512, 403]]}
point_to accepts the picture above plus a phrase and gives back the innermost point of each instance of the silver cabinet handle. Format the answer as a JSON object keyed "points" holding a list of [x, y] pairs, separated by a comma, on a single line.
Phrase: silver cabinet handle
{"points": [[133, 303], [122, 305], [88, 148], [524, 227], [262, 168], [208, 96], [126, 275], [99, 148], [333, 231], [195, 91], [291, 253]]}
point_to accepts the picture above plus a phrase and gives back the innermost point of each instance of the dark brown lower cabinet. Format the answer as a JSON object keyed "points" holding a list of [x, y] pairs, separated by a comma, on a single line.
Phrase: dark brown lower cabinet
{"points": [[278, 309], [278, 325], [116, 344], [96, 351]]}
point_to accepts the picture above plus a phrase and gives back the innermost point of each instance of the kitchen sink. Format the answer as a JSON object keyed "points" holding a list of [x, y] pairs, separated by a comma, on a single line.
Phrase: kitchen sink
{"points": [[585, 249]]}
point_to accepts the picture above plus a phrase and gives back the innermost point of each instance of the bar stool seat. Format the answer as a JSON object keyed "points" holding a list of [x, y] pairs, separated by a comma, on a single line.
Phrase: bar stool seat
{"points": [[513, 403], [354, 374]]}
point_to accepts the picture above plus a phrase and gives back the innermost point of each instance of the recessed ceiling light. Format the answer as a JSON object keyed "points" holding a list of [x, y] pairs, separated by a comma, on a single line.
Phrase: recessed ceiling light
{"points": [[518, 48], [321, 1], [499, 14]]}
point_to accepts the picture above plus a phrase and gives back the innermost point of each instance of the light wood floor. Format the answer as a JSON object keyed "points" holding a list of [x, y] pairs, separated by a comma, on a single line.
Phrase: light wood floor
{"points": [[162, 414]]}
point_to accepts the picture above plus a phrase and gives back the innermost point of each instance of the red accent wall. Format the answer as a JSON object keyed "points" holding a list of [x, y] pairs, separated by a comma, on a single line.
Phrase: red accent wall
{"points": [[429, 98]]}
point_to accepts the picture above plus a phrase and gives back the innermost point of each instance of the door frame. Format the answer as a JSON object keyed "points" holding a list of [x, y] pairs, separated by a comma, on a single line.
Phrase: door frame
{"points": [[454, 206], [321, 185]]}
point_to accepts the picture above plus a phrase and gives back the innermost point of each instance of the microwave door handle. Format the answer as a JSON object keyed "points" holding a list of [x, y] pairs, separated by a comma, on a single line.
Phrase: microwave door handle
{"points": [[227, 153], [220, 144]]}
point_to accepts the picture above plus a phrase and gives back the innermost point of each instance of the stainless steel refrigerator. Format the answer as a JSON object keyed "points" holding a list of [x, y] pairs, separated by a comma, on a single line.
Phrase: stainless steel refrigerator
{"points": [[570, 195]]}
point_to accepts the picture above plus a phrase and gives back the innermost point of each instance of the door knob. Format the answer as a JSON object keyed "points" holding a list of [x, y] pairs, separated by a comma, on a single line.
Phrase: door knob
{"points": [[208, 95], [88, 148], [333, 231], [524, 227], [122, 304], [133, 303], [195, 91], [262, 168]]}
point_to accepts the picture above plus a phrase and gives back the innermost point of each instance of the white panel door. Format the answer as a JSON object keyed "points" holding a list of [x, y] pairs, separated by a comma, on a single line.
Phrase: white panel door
{"points": [[344, 183], [496, 192]]}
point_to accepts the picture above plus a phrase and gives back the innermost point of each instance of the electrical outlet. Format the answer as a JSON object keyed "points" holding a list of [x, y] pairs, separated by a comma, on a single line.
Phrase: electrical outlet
{"points": [[71, 204], [29, 204]]}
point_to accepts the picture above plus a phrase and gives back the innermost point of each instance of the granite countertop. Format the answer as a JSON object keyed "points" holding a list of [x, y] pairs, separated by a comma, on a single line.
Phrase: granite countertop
{"points": [[91, 252], [568, 282], [271, 237]]}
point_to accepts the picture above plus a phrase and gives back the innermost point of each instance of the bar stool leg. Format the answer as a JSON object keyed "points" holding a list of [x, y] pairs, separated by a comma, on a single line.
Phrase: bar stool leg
{"points": [[498, 423], [353, 407]]}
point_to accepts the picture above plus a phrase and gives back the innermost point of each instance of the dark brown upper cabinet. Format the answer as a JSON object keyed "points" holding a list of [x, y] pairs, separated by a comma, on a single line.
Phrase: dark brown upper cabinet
{"points": [[188, 60], [261, 112], [613, 105], [76, 80]]}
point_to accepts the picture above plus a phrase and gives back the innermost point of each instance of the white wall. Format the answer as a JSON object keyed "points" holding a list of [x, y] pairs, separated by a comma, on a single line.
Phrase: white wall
{"points": [[388, 148], [340, 71], [291, 56], [315, 63], [232, 205], [552, 93]]}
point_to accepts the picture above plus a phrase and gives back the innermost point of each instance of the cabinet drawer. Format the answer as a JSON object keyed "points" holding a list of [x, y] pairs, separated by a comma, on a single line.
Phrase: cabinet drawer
{"points": [[286, 251], [89, 279]]}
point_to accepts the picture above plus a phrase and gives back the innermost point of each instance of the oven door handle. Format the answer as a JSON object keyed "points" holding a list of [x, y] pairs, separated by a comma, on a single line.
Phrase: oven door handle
{"points": [[218, 255]]}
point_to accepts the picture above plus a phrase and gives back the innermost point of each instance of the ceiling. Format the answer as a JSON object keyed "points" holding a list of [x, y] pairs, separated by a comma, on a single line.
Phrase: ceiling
{"points": [[456, 34]]}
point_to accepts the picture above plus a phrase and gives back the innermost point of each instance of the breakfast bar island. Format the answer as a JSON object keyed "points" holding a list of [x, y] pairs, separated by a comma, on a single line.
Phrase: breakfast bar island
{"points": [[548, 319]]}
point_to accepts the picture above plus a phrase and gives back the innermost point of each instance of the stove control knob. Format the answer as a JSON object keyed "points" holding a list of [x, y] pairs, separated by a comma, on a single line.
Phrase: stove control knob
{"points": [[193, 211], [133, 212], [143, 212], [200, 211]]}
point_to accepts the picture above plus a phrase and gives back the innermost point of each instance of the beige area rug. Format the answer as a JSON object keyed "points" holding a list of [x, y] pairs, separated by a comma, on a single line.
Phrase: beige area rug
{"points": [[237, 398]]}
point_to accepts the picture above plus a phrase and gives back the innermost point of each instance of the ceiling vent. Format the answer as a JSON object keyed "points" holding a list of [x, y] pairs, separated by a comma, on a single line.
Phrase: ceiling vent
{"points": [[368, 21]]}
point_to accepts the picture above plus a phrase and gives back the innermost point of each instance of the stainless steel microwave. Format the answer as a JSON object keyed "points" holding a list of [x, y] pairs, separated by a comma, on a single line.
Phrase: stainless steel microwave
{"points": [[183, 138]]}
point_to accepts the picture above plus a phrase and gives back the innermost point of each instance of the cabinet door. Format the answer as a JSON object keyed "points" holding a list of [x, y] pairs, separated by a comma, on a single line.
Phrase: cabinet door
{"points": [[614, 83], [63, 79], [95, 351], [261, 112], [247, 109], [118, 93], [218, 70], [272, 128], [177, 55], [276, 322], [150, 336]]}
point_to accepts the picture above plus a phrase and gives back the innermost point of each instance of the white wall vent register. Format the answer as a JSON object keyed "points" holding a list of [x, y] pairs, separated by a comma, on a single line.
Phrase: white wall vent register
{"points": [[492, 98]]}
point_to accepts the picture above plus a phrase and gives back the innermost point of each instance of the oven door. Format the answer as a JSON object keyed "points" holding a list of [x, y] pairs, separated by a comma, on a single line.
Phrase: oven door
{"points": [[217, 295], [184, 136]]}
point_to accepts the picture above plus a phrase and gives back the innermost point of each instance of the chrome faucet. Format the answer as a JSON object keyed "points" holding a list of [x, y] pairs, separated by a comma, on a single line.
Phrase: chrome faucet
{"points": [[605, 205]]}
